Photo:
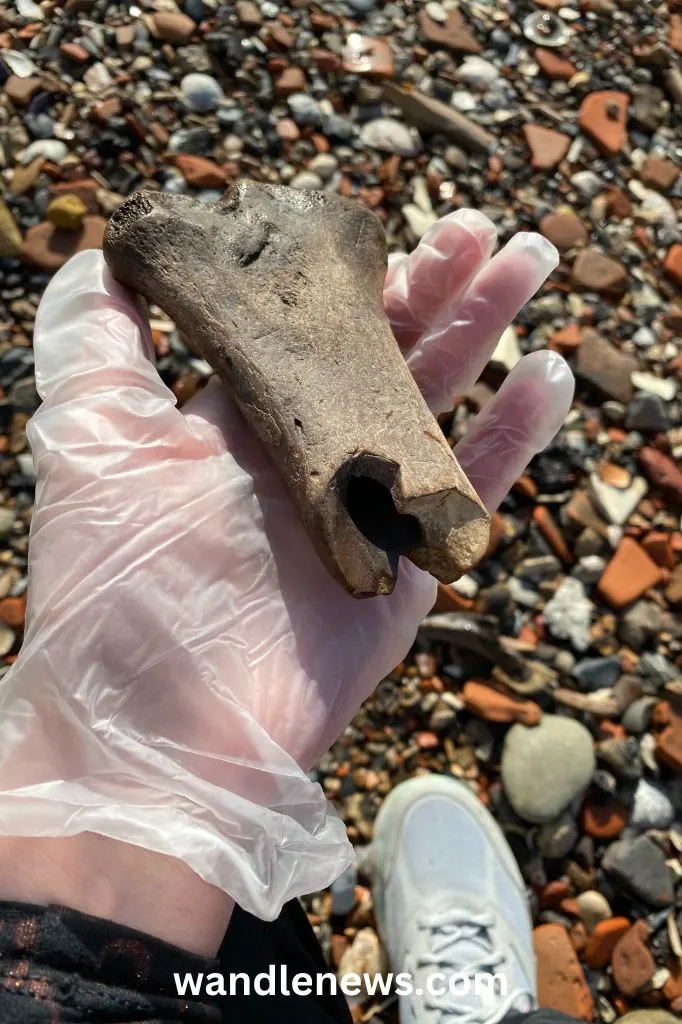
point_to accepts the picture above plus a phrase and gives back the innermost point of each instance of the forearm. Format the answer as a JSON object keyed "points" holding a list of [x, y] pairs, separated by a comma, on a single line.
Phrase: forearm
{"points": [[119, 882], [58, 964]]}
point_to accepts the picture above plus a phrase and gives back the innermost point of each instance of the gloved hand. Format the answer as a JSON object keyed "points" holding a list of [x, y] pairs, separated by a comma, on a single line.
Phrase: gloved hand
{"points": [[186, 656]]}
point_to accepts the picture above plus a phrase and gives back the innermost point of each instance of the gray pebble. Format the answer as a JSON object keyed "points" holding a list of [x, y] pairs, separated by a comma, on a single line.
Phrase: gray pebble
{"points": [[546, 767], [638, 866], [656, 669], [304, 109], [641, 623], [456, 158], [197, 141], [477, 71], [343, 891], [597, 673], [196, 9], [201, 92], [557, 838], [41, 126], [622, 755], [644, 337], [647, 411], [636, 718], [613, 411]]}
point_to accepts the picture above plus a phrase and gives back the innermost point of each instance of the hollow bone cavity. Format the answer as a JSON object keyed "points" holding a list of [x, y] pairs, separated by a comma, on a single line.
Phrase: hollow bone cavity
{"points": [[282, 293]]}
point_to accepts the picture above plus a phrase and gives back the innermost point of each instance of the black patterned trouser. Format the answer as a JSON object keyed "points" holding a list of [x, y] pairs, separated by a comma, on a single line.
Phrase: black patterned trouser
{"points": [[61, 967]]}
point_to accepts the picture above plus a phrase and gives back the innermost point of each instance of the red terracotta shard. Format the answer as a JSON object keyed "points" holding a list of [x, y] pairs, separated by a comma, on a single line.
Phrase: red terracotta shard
{"points": [[603, 116], [547, 147]]}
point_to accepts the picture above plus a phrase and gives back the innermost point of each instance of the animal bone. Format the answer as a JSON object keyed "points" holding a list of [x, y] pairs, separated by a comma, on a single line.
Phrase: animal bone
{"points": [[281, 291]]}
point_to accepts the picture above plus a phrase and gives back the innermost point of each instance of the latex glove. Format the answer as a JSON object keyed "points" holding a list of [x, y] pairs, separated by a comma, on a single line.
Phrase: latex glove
{"points": [[186, 656]]}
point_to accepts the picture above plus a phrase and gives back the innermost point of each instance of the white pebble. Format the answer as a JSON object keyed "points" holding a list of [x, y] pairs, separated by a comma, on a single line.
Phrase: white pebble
{"points": [[18, 63], [418, 221], [324, 164], [477, 71], [664, 387], [390, 136], [651, 808], [201, 92], [29, 9], [97, 78], [466, 586], [462, 100], [587, 183], [508, 351], [420, 194], [50, 149], [616, 503], [307, 181], [436, 11], [644, 337], [26, 467], [656, 209], [569, 613]]}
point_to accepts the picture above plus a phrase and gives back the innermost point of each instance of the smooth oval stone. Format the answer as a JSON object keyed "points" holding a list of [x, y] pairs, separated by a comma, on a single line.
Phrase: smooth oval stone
{"points": [[201, 92], [51, 149], [390, 136], [307, 181], [545, 767]]}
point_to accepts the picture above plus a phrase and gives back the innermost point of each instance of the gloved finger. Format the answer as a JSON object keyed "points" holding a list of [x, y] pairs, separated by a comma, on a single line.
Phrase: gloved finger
{"points": [[213, 415], [450, 356], [92, 336], [433, 277], [516, 424]]}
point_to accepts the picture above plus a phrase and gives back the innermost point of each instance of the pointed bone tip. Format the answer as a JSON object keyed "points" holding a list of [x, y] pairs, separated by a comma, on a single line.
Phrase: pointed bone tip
{"points": [[469, 543]]}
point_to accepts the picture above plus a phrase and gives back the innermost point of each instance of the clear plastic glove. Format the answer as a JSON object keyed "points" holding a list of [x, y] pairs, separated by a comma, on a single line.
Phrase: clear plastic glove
{"points": [[186, 657]]}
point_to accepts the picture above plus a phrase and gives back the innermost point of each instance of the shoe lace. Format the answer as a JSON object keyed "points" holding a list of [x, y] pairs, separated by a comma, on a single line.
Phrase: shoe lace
{"points": [[443, 935]]}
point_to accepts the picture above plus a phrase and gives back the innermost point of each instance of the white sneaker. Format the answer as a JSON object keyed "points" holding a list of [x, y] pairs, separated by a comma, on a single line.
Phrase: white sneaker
{"points": [[450, 899]]}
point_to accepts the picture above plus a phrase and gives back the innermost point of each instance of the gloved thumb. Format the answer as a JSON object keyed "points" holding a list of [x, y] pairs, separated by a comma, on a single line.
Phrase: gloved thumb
{"points": [[94, 365], [91, 334]]}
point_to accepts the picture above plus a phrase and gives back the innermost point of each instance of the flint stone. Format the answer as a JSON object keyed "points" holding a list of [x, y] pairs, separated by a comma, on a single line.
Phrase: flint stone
{"points": [[637, 866]]}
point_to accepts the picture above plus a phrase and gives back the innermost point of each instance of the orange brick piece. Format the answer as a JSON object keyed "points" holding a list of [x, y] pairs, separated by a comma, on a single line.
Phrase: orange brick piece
{"points": [[628, 575], [13, 610], [603, 941], [603, 116], [561, 982]]}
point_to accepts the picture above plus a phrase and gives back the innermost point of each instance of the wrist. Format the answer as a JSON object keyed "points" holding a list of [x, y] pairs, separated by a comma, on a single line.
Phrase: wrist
{"points": [[103, 877]]}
